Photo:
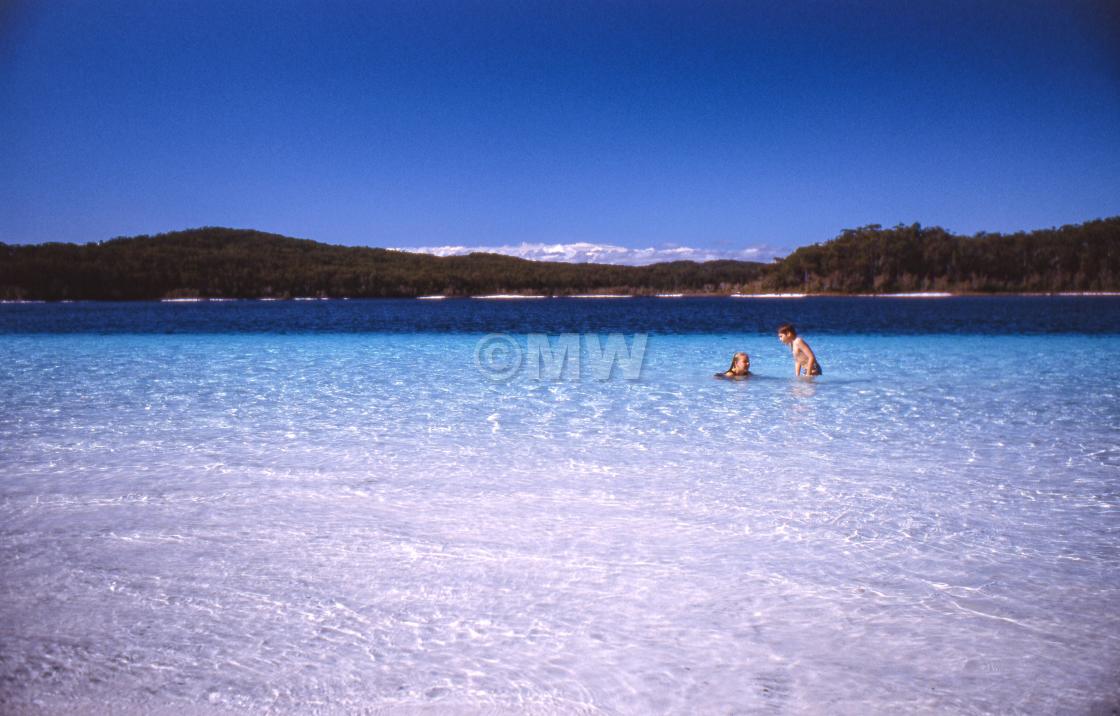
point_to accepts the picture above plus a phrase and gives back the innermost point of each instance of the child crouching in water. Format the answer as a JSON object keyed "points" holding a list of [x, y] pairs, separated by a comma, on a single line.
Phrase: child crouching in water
{"points": [[803, 356], [740, 367]]}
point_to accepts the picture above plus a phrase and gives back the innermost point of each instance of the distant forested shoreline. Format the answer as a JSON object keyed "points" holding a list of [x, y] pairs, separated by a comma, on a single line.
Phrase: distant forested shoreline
{"points": [[240, 263]]}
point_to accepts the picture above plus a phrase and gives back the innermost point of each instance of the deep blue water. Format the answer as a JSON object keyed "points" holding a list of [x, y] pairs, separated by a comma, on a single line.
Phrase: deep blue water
{"points": [[964, 315]]}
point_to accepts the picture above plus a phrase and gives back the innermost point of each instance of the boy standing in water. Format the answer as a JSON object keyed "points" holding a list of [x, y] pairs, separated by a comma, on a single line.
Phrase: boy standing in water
{"points": [[803, 356]]}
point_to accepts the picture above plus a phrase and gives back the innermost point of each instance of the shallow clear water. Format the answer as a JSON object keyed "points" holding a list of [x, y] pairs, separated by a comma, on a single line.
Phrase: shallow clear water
{"points": [[333, 521]]}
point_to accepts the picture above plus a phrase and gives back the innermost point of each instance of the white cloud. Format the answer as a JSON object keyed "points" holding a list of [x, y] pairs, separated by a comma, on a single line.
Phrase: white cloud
{"points": [[583, 251]]}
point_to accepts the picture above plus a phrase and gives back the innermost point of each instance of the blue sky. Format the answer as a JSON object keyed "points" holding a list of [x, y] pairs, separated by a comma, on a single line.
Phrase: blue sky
{"points": [[716, 126]]}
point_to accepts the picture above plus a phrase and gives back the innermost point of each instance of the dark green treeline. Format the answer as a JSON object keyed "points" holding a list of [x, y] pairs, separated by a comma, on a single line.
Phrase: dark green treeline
{"points": [[234, 263]]}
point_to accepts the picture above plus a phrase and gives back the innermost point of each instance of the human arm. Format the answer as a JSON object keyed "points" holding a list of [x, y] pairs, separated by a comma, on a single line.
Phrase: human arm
{"points": [[805, 356]]}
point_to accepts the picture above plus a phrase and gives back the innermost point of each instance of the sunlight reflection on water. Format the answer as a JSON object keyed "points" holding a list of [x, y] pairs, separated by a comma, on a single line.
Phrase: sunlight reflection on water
{"points": [[292, 522]]}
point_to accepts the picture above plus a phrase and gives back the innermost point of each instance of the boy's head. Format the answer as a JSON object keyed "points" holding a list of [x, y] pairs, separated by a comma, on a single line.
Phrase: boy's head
{"points": [[786, 332]]}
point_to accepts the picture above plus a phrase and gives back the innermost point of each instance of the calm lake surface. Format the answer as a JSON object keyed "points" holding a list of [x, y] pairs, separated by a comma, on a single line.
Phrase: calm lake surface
{"points": [[329, 506]]}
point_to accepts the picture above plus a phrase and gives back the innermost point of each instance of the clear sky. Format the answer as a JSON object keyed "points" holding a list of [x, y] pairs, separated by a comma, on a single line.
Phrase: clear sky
{"points": [[715, 125]]}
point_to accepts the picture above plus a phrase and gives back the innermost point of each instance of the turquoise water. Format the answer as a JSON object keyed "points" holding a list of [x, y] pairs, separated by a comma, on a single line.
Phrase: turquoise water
{"points": [[342, 520]]}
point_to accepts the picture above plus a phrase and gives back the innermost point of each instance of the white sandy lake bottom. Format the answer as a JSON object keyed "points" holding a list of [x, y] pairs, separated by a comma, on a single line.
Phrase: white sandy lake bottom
{"points": [[339, 523]]}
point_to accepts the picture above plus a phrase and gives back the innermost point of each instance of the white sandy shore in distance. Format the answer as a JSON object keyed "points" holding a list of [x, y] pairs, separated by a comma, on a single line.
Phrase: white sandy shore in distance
{"points": [[515, 296], [507, 297]]}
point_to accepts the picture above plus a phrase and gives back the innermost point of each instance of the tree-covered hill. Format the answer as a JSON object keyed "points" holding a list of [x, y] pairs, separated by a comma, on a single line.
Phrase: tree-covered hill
{"points": [[1083, 257], [235, 263], [218, 262]]}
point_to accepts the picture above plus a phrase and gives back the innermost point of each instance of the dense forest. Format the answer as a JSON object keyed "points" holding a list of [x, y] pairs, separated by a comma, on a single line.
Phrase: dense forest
{"points": [[1083, 257], [234, 263]]}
